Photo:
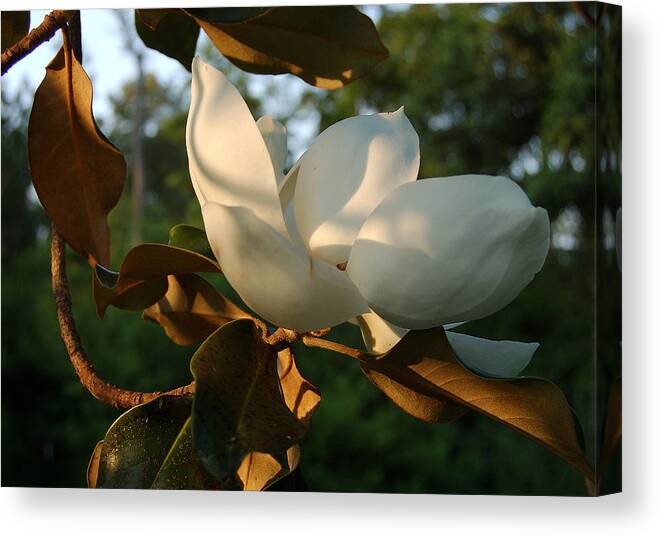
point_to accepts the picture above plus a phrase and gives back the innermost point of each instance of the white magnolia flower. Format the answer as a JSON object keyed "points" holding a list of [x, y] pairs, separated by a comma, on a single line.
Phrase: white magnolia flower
{"points": [[350, 233]]}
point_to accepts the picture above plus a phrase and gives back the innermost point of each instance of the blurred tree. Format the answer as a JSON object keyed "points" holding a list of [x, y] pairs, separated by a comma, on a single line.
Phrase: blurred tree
{"points": [[138, 179]]}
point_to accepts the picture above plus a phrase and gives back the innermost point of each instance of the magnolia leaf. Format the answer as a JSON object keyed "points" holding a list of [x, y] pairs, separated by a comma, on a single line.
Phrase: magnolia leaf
{"points": [[612, 434], [152, 17], [258, 471], [327, 46], [292, 482], [434, 409], [138, 443], [425, 367], [302, 398], [142, 277], [15, 24], [191, 238], [191, 309], [239, 407], [93, 466], [169, 31], [227, 14], [77, 173], [124, 293], [151, 446], [181, 468]]}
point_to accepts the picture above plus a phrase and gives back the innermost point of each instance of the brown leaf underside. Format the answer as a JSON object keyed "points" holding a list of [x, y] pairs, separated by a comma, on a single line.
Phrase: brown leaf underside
{"points": [[77, 173], [192, 309], [143, 275], [327, 46], [423, 363]]}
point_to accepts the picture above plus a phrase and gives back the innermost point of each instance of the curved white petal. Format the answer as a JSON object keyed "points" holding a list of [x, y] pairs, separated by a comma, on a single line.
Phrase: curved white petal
{"points": [[286, 193], [275, 276], [228, 159], [447, 250], [346, 173], [505, 359], [379, 335], [274, 134]]}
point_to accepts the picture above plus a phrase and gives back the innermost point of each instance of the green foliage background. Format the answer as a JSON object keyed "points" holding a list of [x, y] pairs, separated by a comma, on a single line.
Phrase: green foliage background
{"points": [[497, 89]]}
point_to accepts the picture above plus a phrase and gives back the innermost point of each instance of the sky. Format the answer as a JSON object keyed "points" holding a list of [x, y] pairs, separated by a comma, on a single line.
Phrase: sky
{"points": [[103, 45]]}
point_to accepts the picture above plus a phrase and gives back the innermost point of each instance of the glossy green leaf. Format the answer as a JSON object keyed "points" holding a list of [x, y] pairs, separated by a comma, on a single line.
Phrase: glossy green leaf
{"points": [[191, 238], [15, 24], [239, 407], [169, 31], [142, 278], [138, 442], [259, 471], [422, 369], [181, 468], [327, 46], [191, 309], [151, 446]]}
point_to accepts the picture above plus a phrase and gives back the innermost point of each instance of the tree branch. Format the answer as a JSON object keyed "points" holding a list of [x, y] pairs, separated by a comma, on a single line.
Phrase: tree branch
{"points": [[282, 338], [42, 33], [309, 340], [75, 35], [99, 388]]}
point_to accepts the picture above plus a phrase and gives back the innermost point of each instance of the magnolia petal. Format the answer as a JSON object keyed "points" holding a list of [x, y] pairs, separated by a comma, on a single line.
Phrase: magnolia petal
{"points": [[287, 187], [346, 173], [228, 159], [379, 335], [447, 250], [275, 276], [503, 359], [528, 257], [275, 137]]}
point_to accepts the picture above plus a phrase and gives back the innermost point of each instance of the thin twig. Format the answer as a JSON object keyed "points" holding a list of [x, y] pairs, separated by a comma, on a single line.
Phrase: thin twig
{"points": [[42, 33], [282, 338], [315, 342], [99, 388], [75, 35]]}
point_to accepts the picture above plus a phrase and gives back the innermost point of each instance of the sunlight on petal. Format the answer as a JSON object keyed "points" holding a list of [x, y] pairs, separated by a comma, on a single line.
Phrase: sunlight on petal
{"points": [[447, 250], [379, 335], [275, 137], [346, 173], [275, 276], [228, 159]]}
